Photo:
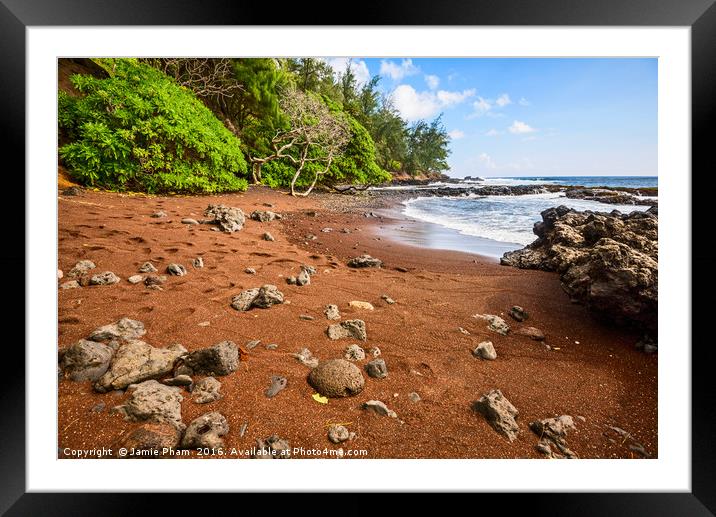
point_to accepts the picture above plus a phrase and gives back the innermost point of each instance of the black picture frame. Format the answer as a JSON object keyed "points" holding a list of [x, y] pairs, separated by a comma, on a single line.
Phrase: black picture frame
{"points": [[700, 15]]}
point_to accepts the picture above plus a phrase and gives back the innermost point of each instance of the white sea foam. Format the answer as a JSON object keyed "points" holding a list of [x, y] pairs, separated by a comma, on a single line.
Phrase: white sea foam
{"points": [[506, 219]]}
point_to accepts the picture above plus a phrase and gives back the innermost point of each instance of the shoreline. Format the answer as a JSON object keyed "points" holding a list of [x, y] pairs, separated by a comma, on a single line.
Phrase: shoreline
{"points": [[592, 369]]}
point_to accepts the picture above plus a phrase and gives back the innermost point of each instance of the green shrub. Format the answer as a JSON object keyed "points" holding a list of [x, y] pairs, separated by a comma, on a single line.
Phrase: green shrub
{"points": [[139, 130]]}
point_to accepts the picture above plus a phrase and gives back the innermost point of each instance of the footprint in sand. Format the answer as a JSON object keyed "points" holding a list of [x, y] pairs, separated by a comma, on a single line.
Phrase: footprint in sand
{"points": [[171, 250], [138, 240], [186, 312], [145, 310], [260, 254]]}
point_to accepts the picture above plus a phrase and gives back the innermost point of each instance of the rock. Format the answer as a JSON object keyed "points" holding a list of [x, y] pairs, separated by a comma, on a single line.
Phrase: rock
{"points": [[402, 269], [377, 369], [155, 280], [485, 350], [495, 323], [308, 269], [71, 284], [176, 269], [189, 220], [250, 271], [98, 408], [291, 280], [252, 344], [364, 261], [81, 268], [463, 331], [311, 237], [72, 191], [606, 261], [278, 383], [374, 351], [268, 237], [312, 213], [361, 305], [272, 448], [153, 402], [206, 390], [161, 438], [336, 378], [531, 332], [388, 299], [647, 345], [147, 267], [345, 230], [272, 346], [135, 279], [60, 274], [198, 262], [159, 214], [379, 408], [106, 278], [332, 312], [306, 317], [339, 434], [499, 413], [348, 329], [518, 313], [138, 361], [264, 216], [262, 297], [205, 432], [179, 380], [125, 329], [306, 358], [414, 397], [86, 360], [354, 353], [553, 431], [219, 359], [303, 278], [229, 219]]}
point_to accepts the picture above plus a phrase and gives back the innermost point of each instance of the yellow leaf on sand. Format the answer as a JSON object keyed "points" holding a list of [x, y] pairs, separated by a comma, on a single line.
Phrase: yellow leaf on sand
{"points": [[318, 398]]}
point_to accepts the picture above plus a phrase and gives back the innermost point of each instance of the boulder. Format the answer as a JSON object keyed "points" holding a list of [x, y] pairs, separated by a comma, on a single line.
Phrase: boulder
{"points": [[364, 261], [160, 438], [264, 216], [125, 329], [155, 280], [147, 267], [332, 312], [379, 408], [220, 359], [377, 369], [485, 350], [553, 432], [198, 262], [86, 360], [138, 361], [336, 378], [205, 431], [367, 306], [354, 353], [272, 448], [494, 323], [206, 390], [229, 219], [135, 279], [262, 297], [499, 413], [606, 261], [70, 284], [81, 268], [518, 313], [151, 401], [176, 269], [303, 278], [106, 278], [348, 329]]}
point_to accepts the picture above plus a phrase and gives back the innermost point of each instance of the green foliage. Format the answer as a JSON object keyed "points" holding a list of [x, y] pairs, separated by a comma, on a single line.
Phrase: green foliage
{"points": [[427, 147], [139, 130]]}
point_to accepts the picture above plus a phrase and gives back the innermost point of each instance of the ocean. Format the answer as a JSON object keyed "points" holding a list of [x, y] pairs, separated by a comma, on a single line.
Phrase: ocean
{"points": [[492, 225]]}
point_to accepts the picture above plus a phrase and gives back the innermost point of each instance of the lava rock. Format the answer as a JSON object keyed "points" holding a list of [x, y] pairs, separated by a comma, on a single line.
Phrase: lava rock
{"points": [[495, 323], [272, 448], [153, 402], [499, 413], [264, 216], [106, 278], [532, 333], [379, 408], [160, 438], [81, 268], [364, 261], [125, 329], [485, 350], [332, 312], [205, 431], [337, 378], [377, 369], [86, 360], [348, 329], [220, 359], [518, 313], [176, 269], [354, 353], [206, 390], [229, 219], [147, 267], [138, 361]]}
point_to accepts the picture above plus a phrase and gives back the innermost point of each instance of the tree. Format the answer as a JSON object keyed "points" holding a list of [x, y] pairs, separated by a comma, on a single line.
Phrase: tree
{"points": [[311, 140], [427, 147]]}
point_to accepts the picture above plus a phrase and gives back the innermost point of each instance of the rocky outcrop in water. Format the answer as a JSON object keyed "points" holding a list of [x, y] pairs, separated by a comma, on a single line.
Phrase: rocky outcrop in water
{"points": [[607, 261], [612, 197]]}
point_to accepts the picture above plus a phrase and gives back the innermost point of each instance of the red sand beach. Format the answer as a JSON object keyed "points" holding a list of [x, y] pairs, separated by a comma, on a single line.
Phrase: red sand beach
{"points": [[592, 369]]}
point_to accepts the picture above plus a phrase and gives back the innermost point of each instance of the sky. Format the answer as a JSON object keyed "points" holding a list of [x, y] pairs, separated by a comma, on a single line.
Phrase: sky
{"points": [[529, 116]]}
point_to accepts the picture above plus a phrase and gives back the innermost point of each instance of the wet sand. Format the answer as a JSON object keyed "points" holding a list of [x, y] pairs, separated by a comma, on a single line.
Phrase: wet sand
{"points": [[592, 369]]}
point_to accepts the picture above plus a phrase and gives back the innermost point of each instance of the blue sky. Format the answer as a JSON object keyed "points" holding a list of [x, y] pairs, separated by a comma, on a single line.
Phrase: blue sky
{"points": [[527, 116]]}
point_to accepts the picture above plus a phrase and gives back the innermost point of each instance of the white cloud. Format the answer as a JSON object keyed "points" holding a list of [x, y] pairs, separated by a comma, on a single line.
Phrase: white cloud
{"points": [[413, 105], [524, 102], [503, 100], [358, 66], [519, 128], [493, 132], [481, 106], [456, 134], [487, 161], [433, 81], [398, 71]]}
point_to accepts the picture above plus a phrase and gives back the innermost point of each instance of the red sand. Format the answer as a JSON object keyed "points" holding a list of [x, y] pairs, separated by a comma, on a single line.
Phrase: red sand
{"points": [[602, 378]]}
